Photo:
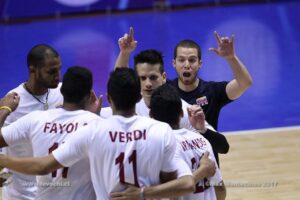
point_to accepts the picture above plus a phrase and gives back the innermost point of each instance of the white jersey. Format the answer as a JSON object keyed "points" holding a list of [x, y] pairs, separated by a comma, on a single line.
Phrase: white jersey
{"points": [[193, 146], [122, 150], [143, 110], [16, 189], [46, 131]]}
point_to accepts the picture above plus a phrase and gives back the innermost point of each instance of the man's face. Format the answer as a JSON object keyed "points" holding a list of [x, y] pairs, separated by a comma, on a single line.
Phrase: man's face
{"points": [[48, 75], [150, 77], [187, 65]]}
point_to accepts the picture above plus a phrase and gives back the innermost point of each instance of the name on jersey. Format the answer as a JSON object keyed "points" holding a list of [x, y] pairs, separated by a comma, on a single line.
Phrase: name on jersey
{"points": [[197, 143], [120, 136], [60, 128]]}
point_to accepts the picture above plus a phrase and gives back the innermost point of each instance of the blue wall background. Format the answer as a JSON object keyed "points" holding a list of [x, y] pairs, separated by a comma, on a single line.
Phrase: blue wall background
{"points": [[16, 9]]}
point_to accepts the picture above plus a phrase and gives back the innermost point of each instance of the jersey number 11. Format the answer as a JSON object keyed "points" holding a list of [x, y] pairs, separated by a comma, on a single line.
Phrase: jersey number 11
{"points": [[120, 161]]}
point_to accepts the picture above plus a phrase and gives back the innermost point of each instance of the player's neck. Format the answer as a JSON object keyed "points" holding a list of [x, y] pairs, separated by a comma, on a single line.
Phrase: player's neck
{"points": [[189, 87], [147, 101], [124, 113], [175, 126], [34, 88], [72, 106]]}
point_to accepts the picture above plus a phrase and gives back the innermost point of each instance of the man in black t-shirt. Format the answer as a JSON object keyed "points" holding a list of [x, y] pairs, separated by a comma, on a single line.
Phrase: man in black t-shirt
{"points": [[212, 96]]}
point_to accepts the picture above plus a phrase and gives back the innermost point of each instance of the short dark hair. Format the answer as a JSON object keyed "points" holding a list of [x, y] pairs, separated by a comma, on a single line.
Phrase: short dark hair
{"points": [[77, 84], [150, 56], [166, 105], [38, 55], [187, 44], [124, 88]]}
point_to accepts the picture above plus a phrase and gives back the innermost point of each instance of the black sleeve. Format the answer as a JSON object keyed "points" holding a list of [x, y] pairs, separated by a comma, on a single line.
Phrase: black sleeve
{"points": [[218, 141]]}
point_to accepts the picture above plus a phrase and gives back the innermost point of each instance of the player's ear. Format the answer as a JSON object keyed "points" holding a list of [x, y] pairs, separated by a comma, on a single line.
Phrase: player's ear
{"points": [[31, 69], [108, 98], [200, 64], [174, 63], [164, 76]]}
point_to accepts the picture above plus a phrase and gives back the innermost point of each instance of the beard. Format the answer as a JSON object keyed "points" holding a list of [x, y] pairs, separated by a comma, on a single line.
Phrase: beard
{"points": [[47, 83]]}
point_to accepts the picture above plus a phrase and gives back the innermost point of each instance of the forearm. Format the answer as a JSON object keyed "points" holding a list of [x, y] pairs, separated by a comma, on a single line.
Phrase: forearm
{"points": [[220, 192], [178, 187], [31, 166], [122, 60], [240, 72], [218, 141], [3, 115], [199, 174]]}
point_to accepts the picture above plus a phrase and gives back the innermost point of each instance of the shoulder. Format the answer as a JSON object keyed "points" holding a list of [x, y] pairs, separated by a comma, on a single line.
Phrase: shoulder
{"points": [[212, 84], [184, 103], [32, 117], [90, 115], [173, 82], [153, 124], [19, 89], [56, 90], [106, 112], [141, 108]]}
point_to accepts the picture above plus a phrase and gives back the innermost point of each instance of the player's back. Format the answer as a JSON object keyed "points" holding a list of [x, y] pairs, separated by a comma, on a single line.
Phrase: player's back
{"points": [[193, 147], [130, 150], [47, 130]]}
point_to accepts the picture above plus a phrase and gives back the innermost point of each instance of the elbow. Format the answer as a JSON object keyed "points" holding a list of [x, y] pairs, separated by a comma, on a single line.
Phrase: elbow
{"points": [[222, 146], [225, 148], [249, 83]]}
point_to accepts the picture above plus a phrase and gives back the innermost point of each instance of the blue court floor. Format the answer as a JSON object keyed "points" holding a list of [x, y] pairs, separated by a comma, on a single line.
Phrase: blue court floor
{"points": [[267, 41]]}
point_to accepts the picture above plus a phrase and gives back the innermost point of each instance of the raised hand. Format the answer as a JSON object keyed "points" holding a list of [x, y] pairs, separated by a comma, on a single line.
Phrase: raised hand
{"points": [[225, 46], [197, 117], [127, 43], [94, 104]]}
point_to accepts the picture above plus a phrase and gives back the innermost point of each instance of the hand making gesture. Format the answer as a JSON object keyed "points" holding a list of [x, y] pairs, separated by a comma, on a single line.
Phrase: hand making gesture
{"points": [[225, 46], [127, 43], [197, 117]]}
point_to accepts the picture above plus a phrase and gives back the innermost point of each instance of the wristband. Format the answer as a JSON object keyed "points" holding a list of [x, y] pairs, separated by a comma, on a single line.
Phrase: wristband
{"points": [[142, 196], [6, 108]]}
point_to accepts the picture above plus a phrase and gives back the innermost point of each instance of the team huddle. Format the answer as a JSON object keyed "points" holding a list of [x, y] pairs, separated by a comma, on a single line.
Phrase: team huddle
{"points": [[59, 143]]}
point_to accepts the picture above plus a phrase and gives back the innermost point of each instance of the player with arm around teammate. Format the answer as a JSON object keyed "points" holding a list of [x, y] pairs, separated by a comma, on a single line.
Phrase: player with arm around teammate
{"points": [[47, 130], [118, 148], [166, 107], [40, 92]]}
